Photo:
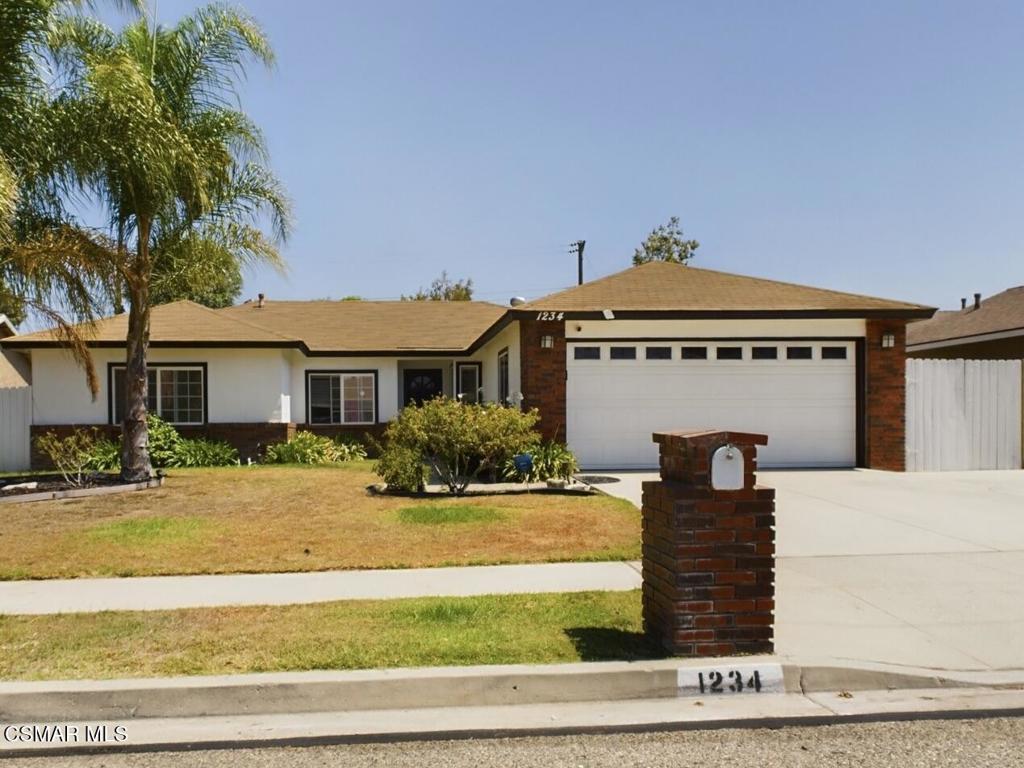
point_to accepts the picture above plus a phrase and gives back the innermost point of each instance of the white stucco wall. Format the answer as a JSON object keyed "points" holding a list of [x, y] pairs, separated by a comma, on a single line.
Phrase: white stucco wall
{"points": [[244, 385], [488, 356]]}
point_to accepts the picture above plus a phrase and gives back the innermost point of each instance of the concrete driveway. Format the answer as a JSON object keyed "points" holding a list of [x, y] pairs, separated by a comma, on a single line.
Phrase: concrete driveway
{"points": [[917, 569]]}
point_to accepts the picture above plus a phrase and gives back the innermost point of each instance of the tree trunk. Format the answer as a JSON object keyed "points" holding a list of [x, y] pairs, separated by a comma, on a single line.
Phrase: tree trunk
{"points": [[135, 464]]}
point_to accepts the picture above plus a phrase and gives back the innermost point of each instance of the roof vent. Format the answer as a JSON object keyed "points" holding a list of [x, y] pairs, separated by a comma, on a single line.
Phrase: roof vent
{"points": [[261, 299], [963, 303], [977, 301], [516, 301]]}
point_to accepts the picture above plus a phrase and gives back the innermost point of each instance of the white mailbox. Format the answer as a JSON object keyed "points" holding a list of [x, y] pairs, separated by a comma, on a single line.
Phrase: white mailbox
{"points": [[727, 468]]}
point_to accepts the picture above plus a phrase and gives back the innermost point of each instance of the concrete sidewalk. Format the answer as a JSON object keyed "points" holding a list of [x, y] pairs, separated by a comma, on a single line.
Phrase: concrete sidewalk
{"points": [[153, 593]]}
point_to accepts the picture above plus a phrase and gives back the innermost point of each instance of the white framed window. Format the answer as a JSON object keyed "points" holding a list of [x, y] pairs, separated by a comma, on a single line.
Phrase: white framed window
{"points": [[176, 393], [341, 397], [503, 384], [468, 382]]}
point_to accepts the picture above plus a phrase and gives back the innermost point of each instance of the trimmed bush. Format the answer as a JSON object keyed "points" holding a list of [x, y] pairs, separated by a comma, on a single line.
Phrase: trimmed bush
{"points": [[401, 468], [311, 448], [204, 453], [163, 441], [460, 441]]}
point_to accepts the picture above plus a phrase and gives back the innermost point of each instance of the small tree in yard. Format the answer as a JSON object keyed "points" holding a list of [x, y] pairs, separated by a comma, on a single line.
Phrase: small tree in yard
{"points": [[460, 441], [71, 455]]}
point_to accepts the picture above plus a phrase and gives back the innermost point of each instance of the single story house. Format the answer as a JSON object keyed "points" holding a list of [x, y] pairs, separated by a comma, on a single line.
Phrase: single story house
{"points": [[654, 347], [989, 329]]}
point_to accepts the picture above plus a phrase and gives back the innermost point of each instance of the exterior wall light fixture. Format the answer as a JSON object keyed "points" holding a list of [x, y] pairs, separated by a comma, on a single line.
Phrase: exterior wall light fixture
{"points": [[547, 342], [888, 340]]}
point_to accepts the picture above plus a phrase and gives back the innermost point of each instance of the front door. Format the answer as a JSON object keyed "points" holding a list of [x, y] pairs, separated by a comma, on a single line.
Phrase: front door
{"points": [[422, 384]]}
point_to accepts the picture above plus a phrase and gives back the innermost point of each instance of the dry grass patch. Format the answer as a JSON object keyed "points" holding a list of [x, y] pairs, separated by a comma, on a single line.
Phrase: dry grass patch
{"points": [[277, 519], [502, 629]]}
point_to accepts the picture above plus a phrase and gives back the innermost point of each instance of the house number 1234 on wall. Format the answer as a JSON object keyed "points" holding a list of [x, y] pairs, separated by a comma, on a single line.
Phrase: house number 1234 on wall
{"points": [[551, 315]]}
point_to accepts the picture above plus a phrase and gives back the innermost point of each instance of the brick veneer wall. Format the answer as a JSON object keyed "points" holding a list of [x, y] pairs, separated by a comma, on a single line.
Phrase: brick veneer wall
{"points": [[542, 374], [251, 439], [886, 396], [708, 555]]}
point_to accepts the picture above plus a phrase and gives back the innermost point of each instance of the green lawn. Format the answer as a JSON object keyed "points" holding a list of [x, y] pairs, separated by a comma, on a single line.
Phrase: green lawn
{"points": [[302, 518], [506, 629]]}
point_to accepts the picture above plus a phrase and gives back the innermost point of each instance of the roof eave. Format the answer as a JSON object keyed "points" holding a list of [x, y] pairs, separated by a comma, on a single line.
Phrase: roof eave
{"points": [[908, 313], [974, 338]]}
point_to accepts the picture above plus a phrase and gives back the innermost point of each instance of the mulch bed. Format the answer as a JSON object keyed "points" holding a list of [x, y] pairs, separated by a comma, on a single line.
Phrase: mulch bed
{"points": [[47, 483]]}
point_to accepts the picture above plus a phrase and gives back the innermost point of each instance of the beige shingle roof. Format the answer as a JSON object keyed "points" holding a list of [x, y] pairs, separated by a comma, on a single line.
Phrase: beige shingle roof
{"points": [[661, 286], [1002, 312], [316, 326], [366, 326], [178, 322]]}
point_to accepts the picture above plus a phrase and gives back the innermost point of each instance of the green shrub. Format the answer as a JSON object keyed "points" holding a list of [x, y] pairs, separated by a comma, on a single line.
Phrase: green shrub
{"points": [[349, 448], [105, 456], [69, 455], [305, 448], [171, 450], [550, 460], [460, 441], [204, 453], [401, 468], [163, 441]]}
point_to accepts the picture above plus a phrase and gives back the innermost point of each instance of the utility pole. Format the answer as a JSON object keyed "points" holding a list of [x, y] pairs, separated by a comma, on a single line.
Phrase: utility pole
{"points": [[577, 248]]}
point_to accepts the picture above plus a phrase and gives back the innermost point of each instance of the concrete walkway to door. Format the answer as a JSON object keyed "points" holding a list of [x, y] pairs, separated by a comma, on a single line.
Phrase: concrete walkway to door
{"points": [[921, 569]]}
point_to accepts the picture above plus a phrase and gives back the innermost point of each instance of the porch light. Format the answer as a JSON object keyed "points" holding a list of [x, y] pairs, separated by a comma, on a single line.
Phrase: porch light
{"points": [[547, 342], [888, 340]]}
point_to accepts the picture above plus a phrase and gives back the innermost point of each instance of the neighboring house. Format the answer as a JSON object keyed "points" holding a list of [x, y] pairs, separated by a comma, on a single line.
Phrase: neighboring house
{"points": [[655, 347], [14, 367], [992, 329]]}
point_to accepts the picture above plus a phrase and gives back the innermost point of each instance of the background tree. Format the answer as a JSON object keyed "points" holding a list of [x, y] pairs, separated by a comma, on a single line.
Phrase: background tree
{"points": [[666, 243], [154, 137], [443, 289]]}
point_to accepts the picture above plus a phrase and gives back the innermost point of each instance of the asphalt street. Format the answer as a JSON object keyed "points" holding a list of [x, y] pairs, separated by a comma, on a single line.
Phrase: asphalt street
{"points": [[974, 743]]}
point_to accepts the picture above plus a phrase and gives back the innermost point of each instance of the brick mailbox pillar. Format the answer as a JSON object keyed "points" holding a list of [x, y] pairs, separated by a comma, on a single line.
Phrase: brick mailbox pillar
{"points": [[708, 555]]}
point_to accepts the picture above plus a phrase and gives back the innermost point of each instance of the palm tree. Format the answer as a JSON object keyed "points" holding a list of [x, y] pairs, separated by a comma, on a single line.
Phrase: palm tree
{"points": [[48, 263], [154, 135]]}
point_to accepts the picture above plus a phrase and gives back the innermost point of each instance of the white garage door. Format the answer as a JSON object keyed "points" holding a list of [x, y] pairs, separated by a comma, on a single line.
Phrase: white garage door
{"points": [[802, 394]]}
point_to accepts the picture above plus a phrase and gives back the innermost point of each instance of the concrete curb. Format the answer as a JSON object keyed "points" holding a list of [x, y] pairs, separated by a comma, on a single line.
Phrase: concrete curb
{"points": [[383, 726], [409, 689]]}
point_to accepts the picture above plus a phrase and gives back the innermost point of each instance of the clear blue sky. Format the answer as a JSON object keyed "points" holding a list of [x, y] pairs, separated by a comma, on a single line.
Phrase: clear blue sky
{"points": [[869, 147]]}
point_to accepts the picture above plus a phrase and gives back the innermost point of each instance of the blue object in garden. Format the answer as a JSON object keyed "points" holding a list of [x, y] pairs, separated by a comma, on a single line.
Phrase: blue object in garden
{"points": [[523, 463]]}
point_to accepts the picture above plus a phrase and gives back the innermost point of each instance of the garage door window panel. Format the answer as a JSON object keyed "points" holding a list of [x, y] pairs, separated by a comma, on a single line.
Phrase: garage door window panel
{"points": [[658, 353], [729, 353], [833, 353], [764, 353], [799, 353], [623, 353], [587, 353], [694, 353]]}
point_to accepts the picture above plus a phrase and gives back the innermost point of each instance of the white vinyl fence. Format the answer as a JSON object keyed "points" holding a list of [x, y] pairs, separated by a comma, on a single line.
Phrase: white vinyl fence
{"points": [[15, 418], [963, 414]]}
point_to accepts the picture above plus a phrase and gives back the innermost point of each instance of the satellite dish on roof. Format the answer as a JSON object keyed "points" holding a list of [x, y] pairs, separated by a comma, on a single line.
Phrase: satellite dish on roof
{"points": [[517, 301]]}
